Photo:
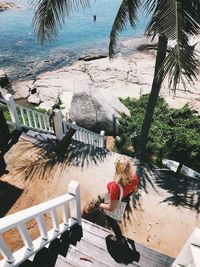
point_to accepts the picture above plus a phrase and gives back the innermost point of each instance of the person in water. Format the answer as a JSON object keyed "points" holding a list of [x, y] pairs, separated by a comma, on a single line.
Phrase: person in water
{"points": [[126, 177], [94, 18]]}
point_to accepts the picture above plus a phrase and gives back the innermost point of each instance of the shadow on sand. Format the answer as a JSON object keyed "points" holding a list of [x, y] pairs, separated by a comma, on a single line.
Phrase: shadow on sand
{"points": [[44, 158], [184, 190], [8, 196]]}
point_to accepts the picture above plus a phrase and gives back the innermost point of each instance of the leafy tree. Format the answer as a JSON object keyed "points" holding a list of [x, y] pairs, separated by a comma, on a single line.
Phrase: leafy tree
{"points": [[174, 134], [169, 20]]}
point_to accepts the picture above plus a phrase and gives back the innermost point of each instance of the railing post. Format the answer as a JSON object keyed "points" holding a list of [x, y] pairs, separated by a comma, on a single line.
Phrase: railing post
{"points": [[74, 189], [58, 124], [102, 134], [13, 111]]}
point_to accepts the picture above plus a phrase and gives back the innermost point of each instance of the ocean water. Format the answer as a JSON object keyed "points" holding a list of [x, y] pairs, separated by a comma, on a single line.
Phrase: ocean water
{"points": [[22, 56]]}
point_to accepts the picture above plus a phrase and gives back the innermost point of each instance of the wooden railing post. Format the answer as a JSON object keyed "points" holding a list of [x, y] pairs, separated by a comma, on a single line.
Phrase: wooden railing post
{"points": [[13, 111], [74, 189], [58, 124]]}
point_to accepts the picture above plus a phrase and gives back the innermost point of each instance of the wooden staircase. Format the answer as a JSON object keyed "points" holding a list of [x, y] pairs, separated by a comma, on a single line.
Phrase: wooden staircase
{"points": [[92, 251]]}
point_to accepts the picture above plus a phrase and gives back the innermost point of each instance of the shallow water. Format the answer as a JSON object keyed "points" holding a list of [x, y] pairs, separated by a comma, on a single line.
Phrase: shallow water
{"points": [[21, 55]]}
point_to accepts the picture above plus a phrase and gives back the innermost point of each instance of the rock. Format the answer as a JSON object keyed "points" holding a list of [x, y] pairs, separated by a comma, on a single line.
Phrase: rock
{"points": [[34, 99], [22, 89], [46, 105], [4, 81], [95, 111], [101, 82], [7, 5], [92, 57]]}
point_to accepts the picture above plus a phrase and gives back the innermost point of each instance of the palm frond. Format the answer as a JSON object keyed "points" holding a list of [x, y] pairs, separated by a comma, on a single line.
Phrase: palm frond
{"points": [[126, 13], [49, 15], [176, 20], [180, 66], [173, 18]]}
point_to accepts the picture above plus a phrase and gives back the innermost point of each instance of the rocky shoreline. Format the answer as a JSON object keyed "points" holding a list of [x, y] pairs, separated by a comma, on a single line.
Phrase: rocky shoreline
{"points": [[97, 83], [7, 5]]}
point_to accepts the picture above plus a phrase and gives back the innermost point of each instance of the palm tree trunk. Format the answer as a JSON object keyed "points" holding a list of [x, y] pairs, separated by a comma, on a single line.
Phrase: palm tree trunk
{"points": [[155, 90]]}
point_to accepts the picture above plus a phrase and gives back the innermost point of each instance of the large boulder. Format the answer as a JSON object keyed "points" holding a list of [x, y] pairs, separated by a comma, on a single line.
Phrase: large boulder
{"points": [[95, 111]]}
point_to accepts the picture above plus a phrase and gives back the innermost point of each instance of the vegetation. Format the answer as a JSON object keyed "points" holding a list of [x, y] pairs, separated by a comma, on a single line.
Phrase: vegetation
{"points": [[169, 20], [175, 133]]}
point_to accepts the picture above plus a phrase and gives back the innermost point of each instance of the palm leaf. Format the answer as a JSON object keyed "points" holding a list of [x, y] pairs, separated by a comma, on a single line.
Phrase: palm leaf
{"points": [[49, 15], [127, 12], [180, 66], [172, 17], [176, 20]]}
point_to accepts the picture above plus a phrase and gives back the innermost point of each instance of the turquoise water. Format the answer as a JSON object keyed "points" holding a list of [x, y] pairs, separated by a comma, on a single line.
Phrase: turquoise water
{"points": [[21, 55]]}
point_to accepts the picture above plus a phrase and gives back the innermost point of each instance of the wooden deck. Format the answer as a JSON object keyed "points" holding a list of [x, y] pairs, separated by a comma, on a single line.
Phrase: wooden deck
{"points": [[92, 251]]}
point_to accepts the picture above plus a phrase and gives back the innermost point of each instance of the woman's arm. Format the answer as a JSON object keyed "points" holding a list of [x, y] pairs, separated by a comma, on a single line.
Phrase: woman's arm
{"points": [[110, 206], [135, 183]]}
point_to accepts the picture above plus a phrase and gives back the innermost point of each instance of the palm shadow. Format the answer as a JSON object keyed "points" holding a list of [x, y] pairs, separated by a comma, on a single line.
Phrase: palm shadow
{"points": [[184, 190], [44, 157]]}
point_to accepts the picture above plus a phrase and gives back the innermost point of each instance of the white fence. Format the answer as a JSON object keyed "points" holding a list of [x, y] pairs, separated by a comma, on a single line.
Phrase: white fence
{"points": [[29, 118], [69, 204], [84, 135], [32, 119], [173, 165]]}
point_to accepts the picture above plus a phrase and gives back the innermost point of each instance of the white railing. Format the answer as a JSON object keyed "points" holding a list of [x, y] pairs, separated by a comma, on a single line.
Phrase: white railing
{"points": [[69, 204], [189, 256], [173, 165], [29, 118], [83, 135], [33, 119]]}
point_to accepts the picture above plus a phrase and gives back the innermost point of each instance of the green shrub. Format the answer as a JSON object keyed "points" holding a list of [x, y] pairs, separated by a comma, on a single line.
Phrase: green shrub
{"points": [[174, 133]]}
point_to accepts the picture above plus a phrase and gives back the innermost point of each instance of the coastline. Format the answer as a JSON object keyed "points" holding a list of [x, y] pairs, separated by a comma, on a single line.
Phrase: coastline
{"points": [[130, 73]]}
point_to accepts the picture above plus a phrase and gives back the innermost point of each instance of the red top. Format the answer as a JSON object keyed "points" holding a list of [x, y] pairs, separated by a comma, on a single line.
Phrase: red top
{"points": [[114, 190]]}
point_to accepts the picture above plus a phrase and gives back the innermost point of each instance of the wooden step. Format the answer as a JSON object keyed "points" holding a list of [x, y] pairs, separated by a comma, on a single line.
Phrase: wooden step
{"points": [[78, 258], [95, 228], [148, 257], [96, 239], [61, 262], [97, 251]]}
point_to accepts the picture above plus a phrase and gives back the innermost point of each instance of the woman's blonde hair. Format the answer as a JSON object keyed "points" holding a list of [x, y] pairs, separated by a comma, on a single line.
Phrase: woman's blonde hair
{"points": [[123, 171]]}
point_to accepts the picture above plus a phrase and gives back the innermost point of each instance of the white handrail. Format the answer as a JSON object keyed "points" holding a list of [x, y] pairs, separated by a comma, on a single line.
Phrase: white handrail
{"points": [[84, 135], [18, 220], [38, 121], [33, 119]]}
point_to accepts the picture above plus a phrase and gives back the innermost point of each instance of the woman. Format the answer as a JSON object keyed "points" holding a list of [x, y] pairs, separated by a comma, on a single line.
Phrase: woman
{"points": [[127, 178]]}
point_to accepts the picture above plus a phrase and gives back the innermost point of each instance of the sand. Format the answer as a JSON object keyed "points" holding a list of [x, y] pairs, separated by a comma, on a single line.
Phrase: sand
{"points": [[154, 222]]}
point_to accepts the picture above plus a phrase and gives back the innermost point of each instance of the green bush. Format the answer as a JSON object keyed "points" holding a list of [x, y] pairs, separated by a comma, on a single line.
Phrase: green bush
{"points": [[174, 134]]}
